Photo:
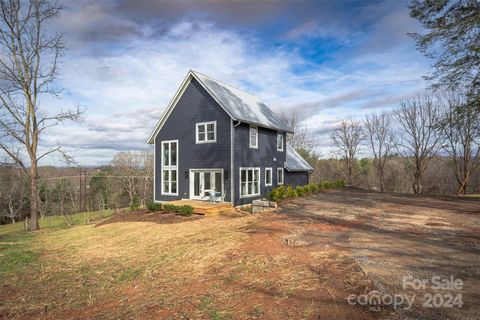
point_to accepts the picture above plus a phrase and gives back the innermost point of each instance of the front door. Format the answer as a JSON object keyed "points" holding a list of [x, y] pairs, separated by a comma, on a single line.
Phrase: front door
{"points": [[203, 182]]}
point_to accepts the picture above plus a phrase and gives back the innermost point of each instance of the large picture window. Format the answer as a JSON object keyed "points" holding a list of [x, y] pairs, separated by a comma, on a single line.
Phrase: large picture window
{"points": [[249, 182], [206, 132], [279, 141], [254, 137], [280, 176], [169, 167]]}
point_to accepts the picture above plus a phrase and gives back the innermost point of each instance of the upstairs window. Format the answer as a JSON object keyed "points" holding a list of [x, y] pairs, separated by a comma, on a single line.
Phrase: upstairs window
{"points": [[279, 141], [206, 132], [254, 137]]}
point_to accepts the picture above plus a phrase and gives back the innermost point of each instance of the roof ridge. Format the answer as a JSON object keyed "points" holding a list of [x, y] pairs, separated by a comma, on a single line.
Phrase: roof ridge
{"points": [[226, 84]]}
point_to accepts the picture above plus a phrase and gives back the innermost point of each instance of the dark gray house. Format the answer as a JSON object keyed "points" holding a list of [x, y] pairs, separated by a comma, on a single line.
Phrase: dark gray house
{"points": [[214, 137]]}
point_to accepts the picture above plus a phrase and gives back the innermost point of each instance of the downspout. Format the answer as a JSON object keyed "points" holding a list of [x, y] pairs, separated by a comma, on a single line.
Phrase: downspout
{"points": [[232, 160]]}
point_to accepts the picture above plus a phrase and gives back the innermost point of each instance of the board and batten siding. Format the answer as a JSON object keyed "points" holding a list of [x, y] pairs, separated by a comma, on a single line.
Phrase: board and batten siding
{"points": [[195, 105], [266, 156], [296, 178]]}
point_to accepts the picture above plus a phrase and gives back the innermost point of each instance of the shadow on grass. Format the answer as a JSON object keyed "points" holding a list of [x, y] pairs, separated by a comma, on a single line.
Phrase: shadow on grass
{"points": [[155, 217]]}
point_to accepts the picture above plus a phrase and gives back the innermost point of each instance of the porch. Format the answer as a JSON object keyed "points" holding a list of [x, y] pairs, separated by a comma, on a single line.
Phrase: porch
{"points": [[205, 207]]}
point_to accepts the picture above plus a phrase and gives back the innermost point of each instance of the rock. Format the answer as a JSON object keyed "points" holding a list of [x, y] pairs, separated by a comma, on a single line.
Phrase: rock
{"points": [[262, 203], [273, 204], [256, 209]]}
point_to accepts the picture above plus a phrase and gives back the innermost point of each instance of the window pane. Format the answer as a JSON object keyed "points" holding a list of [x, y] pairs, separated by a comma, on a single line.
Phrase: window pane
{"points": [[166, 181], [165, 154], [243, 189], [210, 127], [210, 136], [255, 175], [173, 187], [255, 186], [173, 155], [201, 137], [201, 128], [243, 177], [173, 175], [250, 175], [249, 190], [196, 184], [268, 176], [206, 183], [218, 181]]}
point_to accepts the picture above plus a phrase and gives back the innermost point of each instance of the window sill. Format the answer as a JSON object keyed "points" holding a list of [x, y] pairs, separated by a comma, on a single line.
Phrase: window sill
{"points": [[204, 142]]}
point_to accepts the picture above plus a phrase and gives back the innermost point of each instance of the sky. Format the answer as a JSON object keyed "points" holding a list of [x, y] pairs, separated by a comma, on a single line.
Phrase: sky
{"points": [[324, 61]]}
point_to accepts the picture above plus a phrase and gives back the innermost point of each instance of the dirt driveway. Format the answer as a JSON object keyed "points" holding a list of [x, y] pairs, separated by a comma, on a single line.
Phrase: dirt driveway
{"points": [[393, 244]]}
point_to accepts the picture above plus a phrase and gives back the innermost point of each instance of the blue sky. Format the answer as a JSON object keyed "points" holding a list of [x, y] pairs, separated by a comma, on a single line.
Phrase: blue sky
{"points": [[325, 61]]}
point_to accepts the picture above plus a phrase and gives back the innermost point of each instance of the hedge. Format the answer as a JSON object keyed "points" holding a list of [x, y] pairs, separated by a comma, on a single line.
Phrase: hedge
{"points": [[283, 192]]}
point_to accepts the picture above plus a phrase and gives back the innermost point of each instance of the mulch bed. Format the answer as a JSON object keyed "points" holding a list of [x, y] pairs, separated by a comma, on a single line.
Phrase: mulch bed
{"points": [[145, 216]]}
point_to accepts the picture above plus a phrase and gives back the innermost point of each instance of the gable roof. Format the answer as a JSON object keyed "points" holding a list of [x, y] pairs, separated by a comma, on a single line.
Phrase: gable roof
{"points": [[238, 104], [295, 161]]}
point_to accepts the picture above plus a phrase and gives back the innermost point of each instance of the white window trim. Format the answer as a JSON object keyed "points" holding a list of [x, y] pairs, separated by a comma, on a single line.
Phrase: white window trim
{"points": [[169, 167], [271, 177], [283, 176], [279, 134], [206, 136], [240, 182], [250, 137]]}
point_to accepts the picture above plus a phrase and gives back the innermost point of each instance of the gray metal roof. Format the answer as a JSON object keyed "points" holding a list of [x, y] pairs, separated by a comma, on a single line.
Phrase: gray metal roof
{"points": [[295, 162], [241, 105]]}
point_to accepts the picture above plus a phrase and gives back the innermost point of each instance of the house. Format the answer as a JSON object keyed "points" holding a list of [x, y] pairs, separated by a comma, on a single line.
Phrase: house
{"points": [[213, 136]]}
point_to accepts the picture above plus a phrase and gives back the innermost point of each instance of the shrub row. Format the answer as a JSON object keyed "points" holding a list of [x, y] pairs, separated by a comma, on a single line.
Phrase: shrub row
{"points": [[185, 210], [283, 192]]}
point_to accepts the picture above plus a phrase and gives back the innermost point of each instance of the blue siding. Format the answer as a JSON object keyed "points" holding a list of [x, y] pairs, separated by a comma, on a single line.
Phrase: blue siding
{"points": [[265, 156], [296, 178], [195, 105]]}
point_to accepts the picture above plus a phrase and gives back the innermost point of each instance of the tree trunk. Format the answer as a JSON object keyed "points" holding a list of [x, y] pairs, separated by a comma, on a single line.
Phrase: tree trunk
{"points": [[34, 208]]}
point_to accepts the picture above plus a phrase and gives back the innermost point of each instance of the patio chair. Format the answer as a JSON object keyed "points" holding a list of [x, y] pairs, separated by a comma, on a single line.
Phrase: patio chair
{"points": [[221, 198]]}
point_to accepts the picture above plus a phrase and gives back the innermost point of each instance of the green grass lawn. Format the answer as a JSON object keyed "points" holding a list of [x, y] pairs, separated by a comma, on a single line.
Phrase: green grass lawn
{"points": [[16, 252]]}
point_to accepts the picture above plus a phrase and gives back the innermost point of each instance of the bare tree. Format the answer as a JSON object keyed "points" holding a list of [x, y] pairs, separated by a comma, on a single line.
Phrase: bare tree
{"points": [[420, 137], [302, 138], [147, 163], [380, 137], [28, 68], [128, 166], [347, 138], [14, 197], [461, 128]]}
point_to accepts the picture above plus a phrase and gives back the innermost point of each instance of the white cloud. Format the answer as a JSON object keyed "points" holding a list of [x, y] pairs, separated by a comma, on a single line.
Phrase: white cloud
{"points": [[126, 90]]}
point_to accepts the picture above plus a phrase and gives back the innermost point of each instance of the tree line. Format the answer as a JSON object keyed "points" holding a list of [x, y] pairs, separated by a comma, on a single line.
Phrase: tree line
{"points": [[422, 130], [126, 181]]}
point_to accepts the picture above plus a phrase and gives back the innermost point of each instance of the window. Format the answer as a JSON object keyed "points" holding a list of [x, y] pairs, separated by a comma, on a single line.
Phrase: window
{"points": [[279, 141], [249, 182], [169, 167], [206, 132], [280, 176], [268, 176], [254, 137]]}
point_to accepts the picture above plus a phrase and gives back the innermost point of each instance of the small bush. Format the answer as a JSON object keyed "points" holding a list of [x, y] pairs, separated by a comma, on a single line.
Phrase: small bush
{"points": [[185, 210], [313, 188], [135, 203], [154, 206], [299, 190], [339, 183], [278, 193], [169, 208], [291, 193]]}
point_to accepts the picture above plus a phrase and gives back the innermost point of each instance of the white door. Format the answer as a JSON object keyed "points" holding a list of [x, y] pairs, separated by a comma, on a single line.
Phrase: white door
{"points": [[203, 182]]}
